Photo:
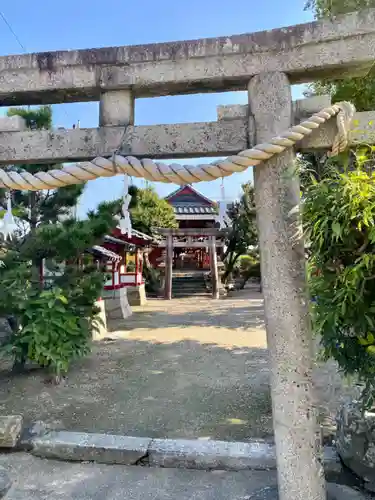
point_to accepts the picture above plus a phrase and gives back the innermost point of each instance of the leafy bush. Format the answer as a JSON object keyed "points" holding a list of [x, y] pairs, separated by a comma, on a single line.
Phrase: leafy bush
{"points": [[82, 287], [15, 282], [51, 327], [243, 231], [50, 333], [248, 268], [248, 262], [339, 226]]}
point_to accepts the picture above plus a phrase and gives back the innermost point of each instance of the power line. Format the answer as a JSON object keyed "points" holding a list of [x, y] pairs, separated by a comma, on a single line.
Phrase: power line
{"points": [[12, 31]]}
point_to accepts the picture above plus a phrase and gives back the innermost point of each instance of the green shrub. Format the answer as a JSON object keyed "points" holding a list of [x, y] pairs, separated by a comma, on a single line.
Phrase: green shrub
{"points": [[51, 327], [82, 287], [248, 267], [339, 227], [249, 263], [50, 333]]}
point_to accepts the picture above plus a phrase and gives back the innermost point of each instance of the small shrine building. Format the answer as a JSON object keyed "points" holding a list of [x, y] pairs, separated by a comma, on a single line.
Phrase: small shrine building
{"points": [[127, 271], [196, 246]]}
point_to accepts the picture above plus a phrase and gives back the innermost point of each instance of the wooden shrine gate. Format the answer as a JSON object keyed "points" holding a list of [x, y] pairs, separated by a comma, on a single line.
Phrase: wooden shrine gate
{"points": [[263, 64], [183, 238]]}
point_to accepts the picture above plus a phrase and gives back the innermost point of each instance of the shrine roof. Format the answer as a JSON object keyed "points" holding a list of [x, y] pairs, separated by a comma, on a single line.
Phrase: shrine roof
{"points": [[137, 239], [187, 195], [187, 209], [188, 201], [104, 252]]}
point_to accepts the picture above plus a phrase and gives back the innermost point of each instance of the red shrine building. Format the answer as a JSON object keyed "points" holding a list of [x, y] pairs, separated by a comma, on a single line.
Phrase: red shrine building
{"points": [[194, 250], [127, 270], [188, 257]]}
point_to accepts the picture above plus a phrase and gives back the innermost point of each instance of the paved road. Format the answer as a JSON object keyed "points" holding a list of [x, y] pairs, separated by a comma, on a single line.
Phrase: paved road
{"points": [[36, 479]]}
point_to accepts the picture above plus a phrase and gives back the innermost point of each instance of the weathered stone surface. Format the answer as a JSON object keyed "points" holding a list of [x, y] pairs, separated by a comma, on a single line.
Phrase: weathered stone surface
{"points": [[232, 111], [101, 448], [356, 441], [334, 492], [230, 455], [168, 453], [155, 141], [10, 430], [362, 131], [101, 331], [289, 337], [116, 108], [12, 123], [211, 454], [116, 306], [33, 431], [305, 52], [185, 140], [301, 108], [5, 482], [137, 295]]}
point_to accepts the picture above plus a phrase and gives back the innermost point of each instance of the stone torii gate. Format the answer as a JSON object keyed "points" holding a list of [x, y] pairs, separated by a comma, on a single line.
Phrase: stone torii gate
{"points": [[265, 64]]}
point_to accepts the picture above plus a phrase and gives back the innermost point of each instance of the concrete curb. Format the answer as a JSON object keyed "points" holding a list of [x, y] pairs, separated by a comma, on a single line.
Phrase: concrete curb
{"points": [[85, 447], [196, 454], [169, 453]]}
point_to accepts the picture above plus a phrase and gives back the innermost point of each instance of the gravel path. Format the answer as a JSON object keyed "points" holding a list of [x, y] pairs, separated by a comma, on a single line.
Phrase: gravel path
{"points": [[186, 368]]}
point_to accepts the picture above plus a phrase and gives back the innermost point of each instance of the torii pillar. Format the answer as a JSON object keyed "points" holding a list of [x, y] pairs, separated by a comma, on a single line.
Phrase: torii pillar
{"points": [[297, 437]]}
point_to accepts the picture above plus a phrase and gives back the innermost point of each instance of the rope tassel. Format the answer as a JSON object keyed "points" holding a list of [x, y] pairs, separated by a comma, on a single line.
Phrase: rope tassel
{"points": [[8, 221], [125, 222], [223, 216]]}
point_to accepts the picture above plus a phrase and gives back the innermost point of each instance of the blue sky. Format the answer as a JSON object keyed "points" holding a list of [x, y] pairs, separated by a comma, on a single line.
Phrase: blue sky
{"points": [[75, 24]]}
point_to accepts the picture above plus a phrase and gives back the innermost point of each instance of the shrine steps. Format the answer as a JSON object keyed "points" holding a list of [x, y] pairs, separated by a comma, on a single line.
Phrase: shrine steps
{"points": [[187, 284]]}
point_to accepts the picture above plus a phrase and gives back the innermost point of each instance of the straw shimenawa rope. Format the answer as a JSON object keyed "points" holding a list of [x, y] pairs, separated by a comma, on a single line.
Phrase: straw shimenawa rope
{"points": [[184, 174]]}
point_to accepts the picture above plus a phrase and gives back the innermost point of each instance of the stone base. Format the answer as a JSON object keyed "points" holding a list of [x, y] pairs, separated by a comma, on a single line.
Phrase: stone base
{"points": [[137, 295], [355, 442], [86, 447], [102, 326], [10, 430], [116, 305], [334, 492]]}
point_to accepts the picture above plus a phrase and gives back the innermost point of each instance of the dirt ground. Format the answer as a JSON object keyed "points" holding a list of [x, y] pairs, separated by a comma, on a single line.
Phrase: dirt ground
{"points": [[192, 368]]}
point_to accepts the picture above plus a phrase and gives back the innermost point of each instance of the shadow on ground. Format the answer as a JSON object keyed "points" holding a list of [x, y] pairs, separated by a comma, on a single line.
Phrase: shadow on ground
{"points": [[223, 318], [180, 389], [242, 311], [185, 368]]}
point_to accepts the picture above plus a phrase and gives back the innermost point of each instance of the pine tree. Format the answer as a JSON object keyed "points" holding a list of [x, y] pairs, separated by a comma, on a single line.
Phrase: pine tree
{"points": [[46, 231], [36, 207]]}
